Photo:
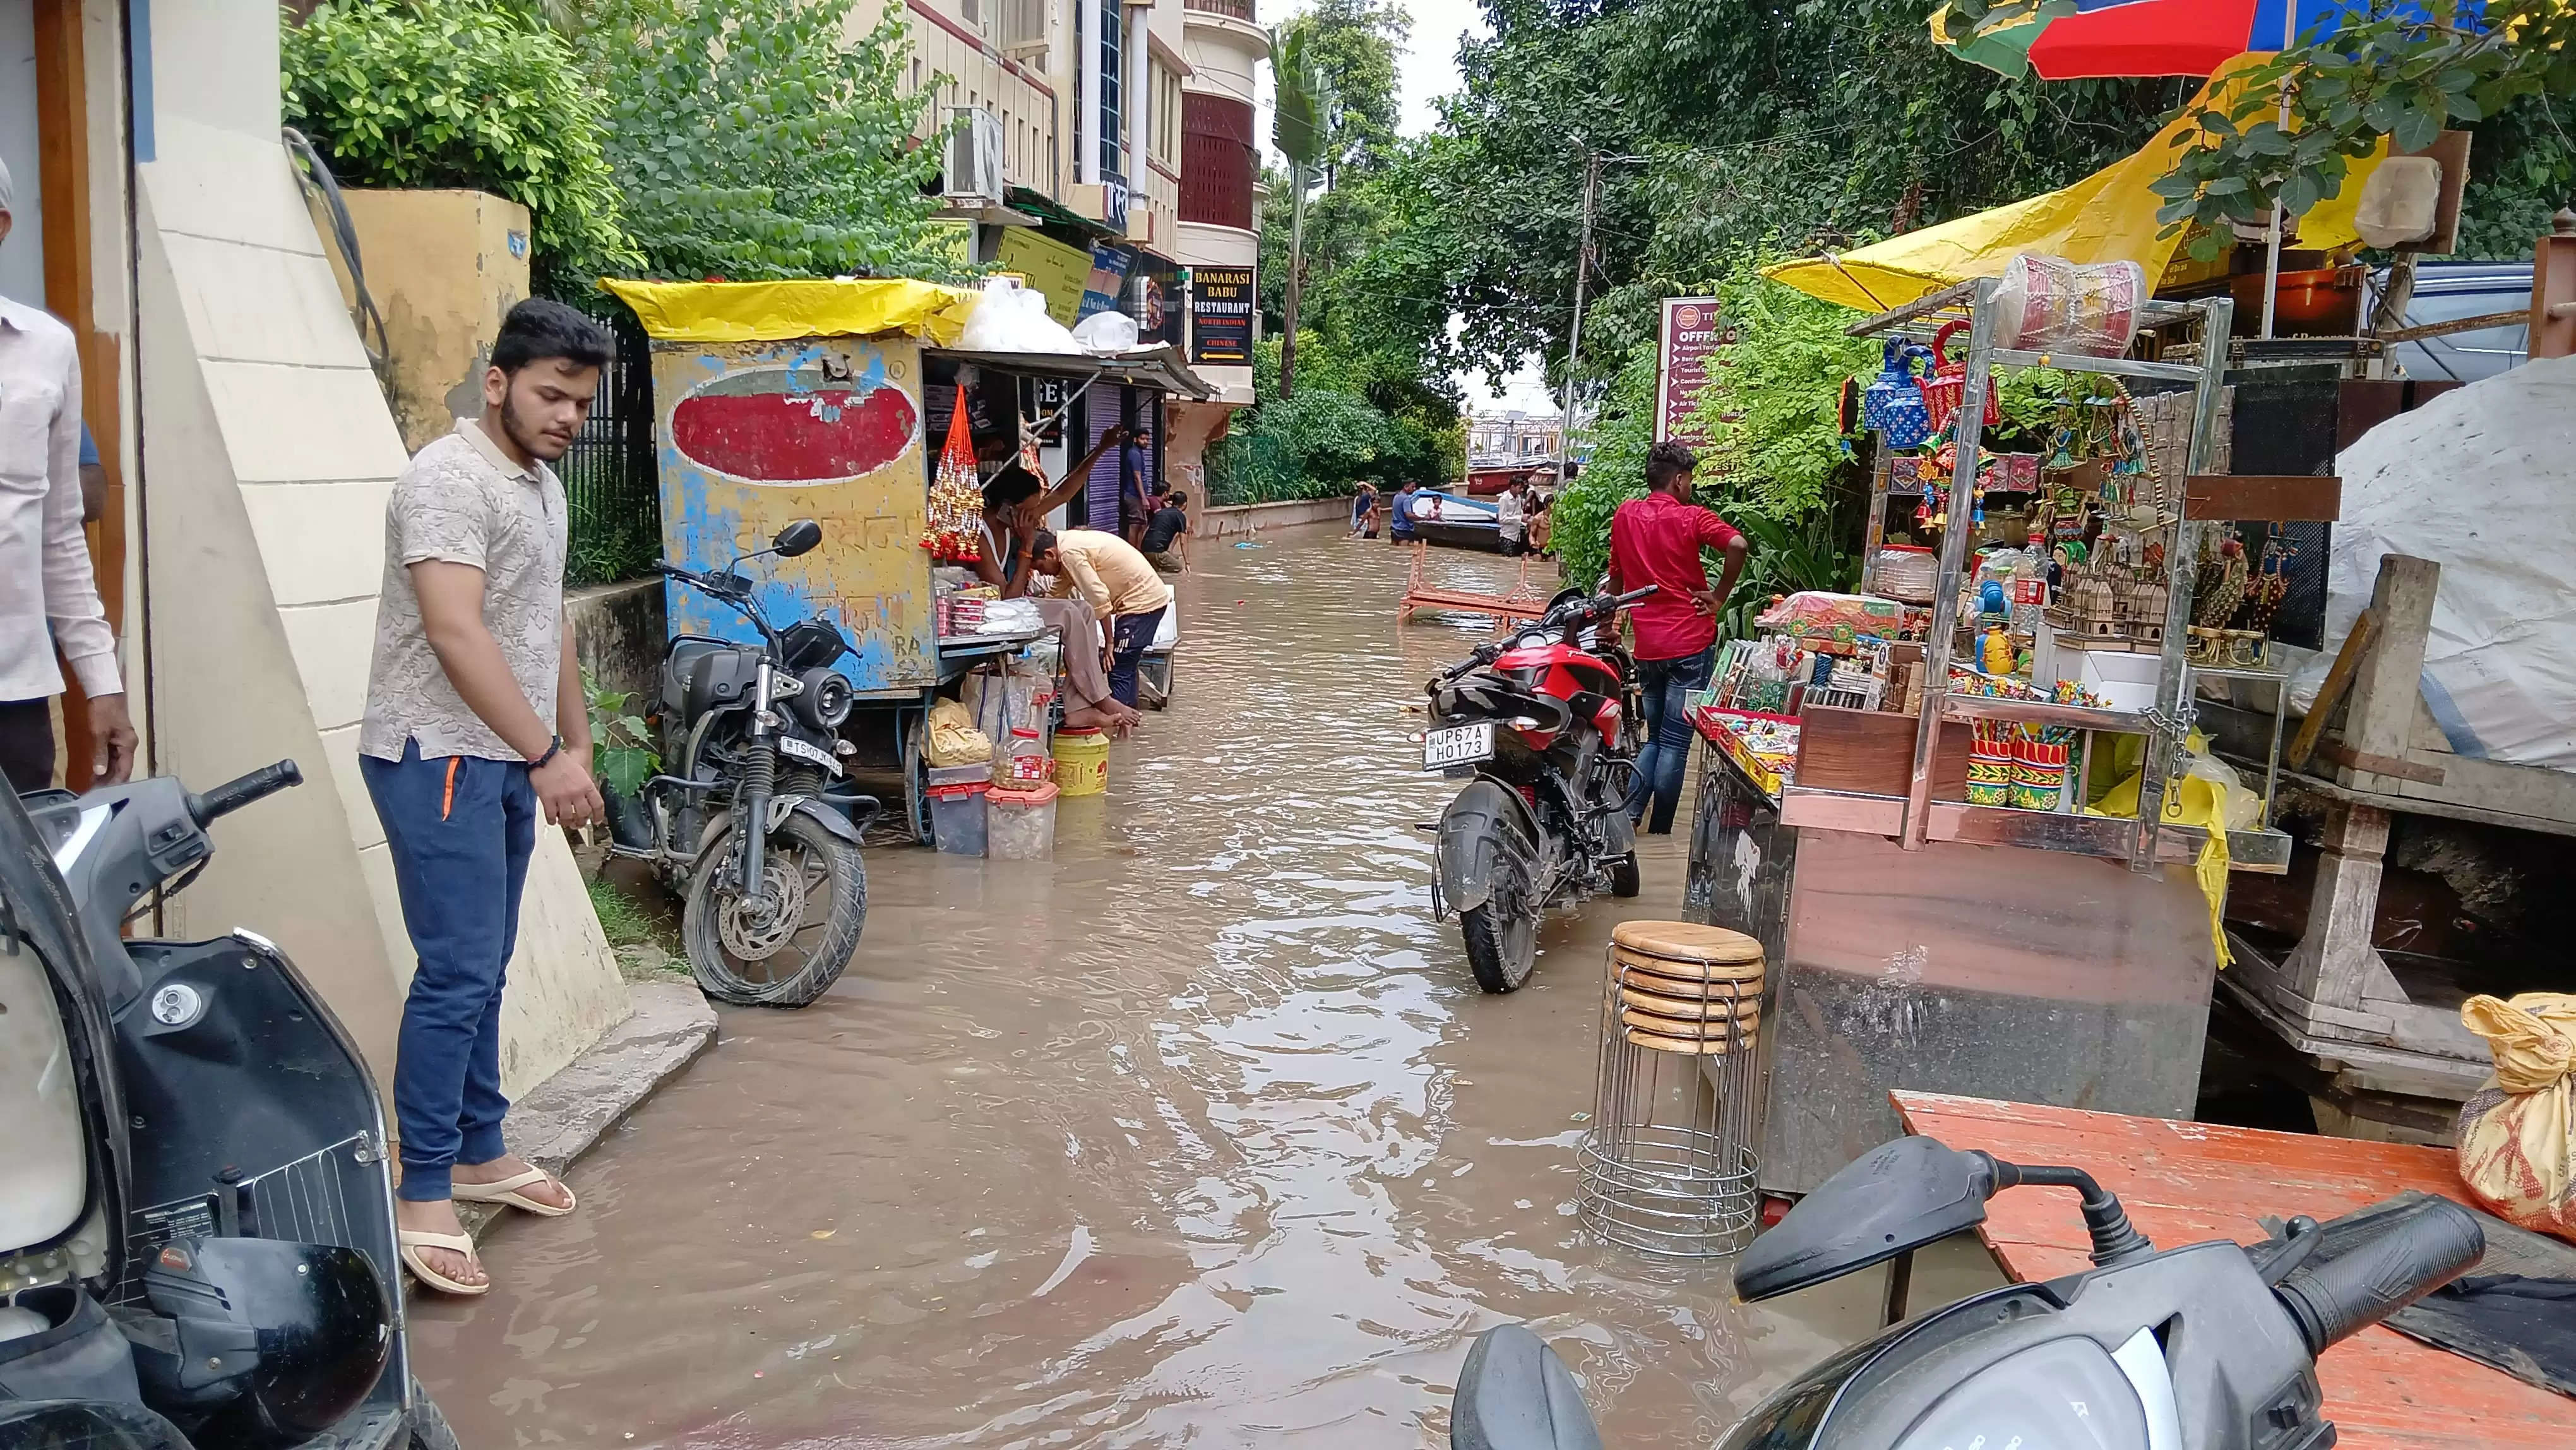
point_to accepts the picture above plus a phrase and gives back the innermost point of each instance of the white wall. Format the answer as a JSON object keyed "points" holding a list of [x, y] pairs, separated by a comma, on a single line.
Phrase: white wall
{"points": [[268, 453]]}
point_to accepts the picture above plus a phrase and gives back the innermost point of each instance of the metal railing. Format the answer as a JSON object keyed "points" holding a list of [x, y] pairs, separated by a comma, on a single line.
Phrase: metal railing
{"points": [[1239, 9], [612, 486]]}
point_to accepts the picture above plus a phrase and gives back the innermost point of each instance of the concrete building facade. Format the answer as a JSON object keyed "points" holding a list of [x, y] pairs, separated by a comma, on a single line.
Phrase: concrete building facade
{"points": [[1120, 127]]}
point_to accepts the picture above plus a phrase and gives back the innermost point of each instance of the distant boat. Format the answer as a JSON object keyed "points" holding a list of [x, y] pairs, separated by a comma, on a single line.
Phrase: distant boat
{"points": [[1456, 521], [1486, 478]]}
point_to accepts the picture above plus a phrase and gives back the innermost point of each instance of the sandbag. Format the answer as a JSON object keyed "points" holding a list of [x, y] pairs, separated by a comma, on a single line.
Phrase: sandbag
{"points": [[2518, 1132], [954, 740]]}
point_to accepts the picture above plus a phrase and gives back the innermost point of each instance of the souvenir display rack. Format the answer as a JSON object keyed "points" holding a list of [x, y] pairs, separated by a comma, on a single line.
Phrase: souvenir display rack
{"points": [[1913, 816]]}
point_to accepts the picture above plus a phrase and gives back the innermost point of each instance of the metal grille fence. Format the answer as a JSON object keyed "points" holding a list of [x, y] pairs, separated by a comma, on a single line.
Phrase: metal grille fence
{"points": [[611, 484]]}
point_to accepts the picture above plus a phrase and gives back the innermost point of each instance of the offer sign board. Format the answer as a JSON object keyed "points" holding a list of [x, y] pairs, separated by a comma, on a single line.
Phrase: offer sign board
{"points": [[1221, 304], [1691, 338]]}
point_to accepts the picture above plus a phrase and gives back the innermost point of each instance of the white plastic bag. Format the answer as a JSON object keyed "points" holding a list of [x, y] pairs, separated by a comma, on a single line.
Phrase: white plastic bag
{"points": [[1013, 318], [1106, 332], [2478, 481], [1011, 616]]}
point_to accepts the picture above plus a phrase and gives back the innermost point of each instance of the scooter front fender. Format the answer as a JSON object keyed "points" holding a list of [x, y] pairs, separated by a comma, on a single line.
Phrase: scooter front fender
{"points": [[1486, 818]]}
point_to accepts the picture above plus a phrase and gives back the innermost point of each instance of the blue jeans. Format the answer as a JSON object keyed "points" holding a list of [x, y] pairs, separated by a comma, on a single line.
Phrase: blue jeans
{"points": [[1662, 684], [1128, 639], [461, 830]]}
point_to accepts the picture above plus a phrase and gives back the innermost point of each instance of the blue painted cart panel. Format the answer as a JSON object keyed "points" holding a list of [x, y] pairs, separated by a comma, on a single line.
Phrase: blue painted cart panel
{"points": [[754, 435]]}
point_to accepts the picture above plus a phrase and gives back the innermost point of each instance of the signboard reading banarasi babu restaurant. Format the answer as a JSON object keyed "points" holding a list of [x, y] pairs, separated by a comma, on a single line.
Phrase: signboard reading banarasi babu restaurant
{"points": [[1221, 316]]}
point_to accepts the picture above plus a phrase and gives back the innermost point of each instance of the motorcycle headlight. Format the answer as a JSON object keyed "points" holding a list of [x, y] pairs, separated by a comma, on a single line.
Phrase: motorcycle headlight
{"points": [[2067, 1393], [826, 699]]}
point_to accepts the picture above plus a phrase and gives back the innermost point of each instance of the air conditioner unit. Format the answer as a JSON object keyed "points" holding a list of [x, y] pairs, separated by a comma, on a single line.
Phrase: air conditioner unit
{"points": [[973, 171]]}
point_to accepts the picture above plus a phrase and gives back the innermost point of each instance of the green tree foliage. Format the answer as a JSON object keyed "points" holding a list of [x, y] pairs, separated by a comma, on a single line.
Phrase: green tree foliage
{"points": [[1352, 44], [471, 93], [757, 139], [1389, 415], [2504, 72], [1349, 421], [1776, 464], [1730, 127]]}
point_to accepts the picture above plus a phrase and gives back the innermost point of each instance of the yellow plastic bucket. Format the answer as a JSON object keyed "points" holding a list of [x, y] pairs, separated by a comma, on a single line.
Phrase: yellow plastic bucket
{"points": [[1081, 762]]}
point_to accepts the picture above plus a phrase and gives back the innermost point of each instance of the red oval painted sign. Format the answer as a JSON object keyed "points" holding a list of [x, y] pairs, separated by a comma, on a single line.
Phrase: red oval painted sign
{"points": [[816, 436]]}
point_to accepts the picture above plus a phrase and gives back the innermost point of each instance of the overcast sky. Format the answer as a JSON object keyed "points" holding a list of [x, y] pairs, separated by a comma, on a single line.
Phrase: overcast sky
{"points": [[1427, 69]]}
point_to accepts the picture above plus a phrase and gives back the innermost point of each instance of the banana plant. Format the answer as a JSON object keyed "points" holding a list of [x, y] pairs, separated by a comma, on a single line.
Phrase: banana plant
{"points": [[1302, 103]]}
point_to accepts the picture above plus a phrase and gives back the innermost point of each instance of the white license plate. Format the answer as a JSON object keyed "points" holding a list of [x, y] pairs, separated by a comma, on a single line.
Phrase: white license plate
{"points": [[790, 745], [1458, 745]]}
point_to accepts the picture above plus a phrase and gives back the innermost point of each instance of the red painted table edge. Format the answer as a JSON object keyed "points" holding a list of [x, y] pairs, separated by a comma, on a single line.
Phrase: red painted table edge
{"points": [[2557, 1426]]}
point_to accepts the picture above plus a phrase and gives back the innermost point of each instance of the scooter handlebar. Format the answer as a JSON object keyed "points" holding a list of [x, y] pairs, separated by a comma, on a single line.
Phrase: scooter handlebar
{"points": [[2374, 1262], [240, 791]]}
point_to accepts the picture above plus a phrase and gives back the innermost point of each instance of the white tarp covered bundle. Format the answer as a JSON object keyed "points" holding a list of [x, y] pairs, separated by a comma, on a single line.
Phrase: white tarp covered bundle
{"points": [[2481, 481]]}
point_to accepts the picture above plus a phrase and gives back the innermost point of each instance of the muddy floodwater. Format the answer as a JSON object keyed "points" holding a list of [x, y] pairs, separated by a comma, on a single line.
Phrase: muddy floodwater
{"points": [[1200, 1134]]}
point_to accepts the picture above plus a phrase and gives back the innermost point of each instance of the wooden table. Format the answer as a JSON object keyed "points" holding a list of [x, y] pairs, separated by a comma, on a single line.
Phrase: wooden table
{"points": [[2188, 1183]]}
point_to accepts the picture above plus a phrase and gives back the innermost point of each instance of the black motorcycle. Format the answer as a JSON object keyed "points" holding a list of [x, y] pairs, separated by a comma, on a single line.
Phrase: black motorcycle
{"points": [[752, 818], [196, 1214], [1543, 724], [2208, 1347]]}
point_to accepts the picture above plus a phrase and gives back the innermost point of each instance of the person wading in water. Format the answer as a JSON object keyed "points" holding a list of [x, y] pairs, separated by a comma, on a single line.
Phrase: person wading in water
{"points": [[1657, 540]]}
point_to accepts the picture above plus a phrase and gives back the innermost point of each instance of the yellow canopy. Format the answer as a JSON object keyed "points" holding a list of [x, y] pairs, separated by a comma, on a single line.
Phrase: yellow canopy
{"points": [[2109, 216], [784, 311]]}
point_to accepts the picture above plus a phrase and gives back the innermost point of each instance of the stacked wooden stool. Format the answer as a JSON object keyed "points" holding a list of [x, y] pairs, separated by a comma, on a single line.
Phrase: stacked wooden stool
{"points": [[1668, 1162]]}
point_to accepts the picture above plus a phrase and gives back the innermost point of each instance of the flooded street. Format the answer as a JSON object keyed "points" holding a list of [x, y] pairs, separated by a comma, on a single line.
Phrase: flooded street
{"points": [[1200, 1134]]}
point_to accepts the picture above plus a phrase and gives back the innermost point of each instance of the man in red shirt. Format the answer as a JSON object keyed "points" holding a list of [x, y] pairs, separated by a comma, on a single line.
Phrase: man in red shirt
{"points": [[1657, 540]]}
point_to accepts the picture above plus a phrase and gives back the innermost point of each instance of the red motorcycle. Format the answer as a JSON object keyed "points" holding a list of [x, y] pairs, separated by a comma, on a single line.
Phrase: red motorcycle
{"points": [[1543, 724]]}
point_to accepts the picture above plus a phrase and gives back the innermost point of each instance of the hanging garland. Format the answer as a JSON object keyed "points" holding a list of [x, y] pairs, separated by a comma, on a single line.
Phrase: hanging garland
{"points": [[955, 525]]}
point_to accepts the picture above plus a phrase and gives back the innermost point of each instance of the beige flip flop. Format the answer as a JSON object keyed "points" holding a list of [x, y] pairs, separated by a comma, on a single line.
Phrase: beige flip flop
{"points": [[506, 1191], [408, 1242]]}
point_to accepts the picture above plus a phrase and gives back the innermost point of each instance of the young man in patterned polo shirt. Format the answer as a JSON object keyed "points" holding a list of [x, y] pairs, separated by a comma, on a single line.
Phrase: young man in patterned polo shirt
{"points": [[475, 723]]}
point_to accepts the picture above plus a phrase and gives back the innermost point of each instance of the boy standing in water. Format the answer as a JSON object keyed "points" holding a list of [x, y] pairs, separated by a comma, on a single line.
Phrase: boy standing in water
{"points": [[475, 723]]}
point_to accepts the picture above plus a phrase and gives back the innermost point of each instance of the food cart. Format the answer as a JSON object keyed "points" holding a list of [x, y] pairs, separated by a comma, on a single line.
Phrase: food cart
{"points": [[1913, 816], [777, 401]]}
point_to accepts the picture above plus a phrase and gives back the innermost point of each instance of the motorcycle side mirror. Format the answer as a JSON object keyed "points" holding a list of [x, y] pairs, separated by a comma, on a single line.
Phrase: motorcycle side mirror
{"points": [[1515, 1394], [1893, 1199], [797, 538]]}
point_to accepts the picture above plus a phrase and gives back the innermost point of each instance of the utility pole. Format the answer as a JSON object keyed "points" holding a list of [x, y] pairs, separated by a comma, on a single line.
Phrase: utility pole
{"points": [[1582, 264]]}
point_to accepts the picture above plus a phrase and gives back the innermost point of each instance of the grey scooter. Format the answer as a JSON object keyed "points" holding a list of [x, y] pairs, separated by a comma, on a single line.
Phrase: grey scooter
{"points": [[2207, 1347], [196, 1215]]}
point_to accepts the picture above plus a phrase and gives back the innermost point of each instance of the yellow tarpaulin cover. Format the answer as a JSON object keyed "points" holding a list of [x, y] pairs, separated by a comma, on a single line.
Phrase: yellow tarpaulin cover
{"points": [[784, 311], [2109, 216]]}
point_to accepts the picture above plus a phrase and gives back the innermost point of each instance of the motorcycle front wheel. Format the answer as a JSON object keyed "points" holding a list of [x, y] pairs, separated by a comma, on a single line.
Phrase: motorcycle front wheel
{"points": [[785, 949]]}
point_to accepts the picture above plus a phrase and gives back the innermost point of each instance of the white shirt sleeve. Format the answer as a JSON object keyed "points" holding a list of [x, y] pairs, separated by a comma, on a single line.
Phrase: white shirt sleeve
{"points": [[72, 607]]}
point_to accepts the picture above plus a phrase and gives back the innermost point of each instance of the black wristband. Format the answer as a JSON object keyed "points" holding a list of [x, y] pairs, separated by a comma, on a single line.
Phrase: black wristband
{"points": [[554, 748]]}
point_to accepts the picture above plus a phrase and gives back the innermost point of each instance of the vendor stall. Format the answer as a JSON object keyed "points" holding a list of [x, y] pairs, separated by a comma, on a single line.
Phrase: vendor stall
{"points": [[1968, 815], [808, 400]]}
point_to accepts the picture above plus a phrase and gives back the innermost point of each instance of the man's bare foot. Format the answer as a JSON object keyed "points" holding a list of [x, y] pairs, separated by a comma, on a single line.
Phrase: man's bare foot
{"points": [[1090, 717], [439, 1218], [509, 1165]]}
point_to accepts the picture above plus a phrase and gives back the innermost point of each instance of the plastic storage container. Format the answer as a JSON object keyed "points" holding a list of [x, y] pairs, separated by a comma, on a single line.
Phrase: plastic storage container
{"points": [[1081, 761], [978, 773], [1021, 824], [957, 818]]}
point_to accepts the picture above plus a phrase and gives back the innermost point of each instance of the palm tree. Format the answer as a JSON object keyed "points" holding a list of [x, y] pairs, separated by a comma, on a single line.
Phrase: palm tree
{"points": [[1303, 98]]}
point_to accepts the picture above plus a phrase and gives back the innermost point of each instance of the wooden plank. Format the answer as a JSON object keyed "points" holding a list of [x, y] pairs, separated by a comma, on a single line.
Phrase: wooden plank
{"points": [[2480, 323], [2274, 498], [2344, 755], [2381, 715], [1872, 751], [2190, 1182], [2347, 662]]}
